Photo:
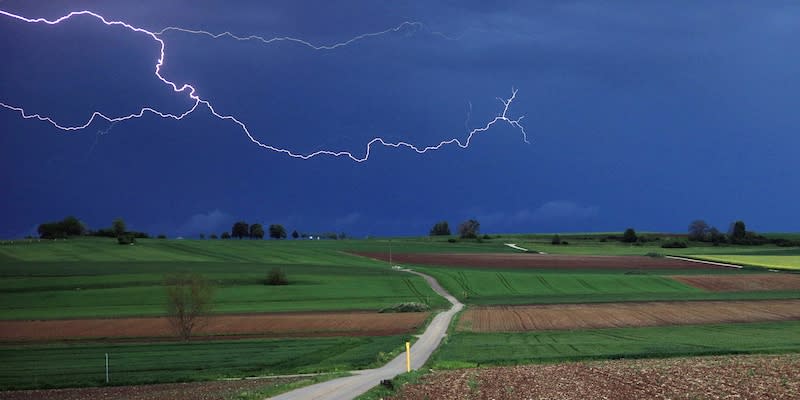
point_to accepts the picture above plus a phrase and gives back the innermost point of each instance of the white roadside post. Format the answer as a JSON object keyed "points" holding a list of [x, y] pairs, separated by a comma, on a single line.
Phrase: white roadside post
{"points": [[106, 367]]}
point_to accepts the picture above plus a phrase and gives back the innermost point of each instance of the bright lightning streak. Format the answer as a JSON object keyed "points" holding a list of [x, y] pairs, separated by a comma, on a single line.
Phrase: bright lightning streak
{"points": [[398, 28], [503, 117]]}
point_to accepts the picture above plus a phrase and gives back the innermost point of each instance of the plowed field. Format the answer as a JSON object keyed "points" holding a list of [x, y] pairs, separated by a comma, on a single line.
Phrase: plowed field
{"points": [[732, 377], [257, 325], [615, 315], [738, 283], [516, 260]]}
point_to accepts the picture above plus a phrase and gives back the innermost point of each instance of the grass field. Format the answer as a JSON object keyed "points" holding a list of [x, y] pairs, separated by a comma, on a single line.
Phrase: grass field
{"points": [[98, 278], [492, 287], [471, 349], [56, 365], [133, 289]]}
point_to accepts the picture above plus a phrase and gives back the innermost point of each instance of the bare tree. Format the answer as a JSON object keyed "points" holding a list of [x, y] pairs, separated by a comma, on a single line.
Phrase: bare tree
{"points": [[188, 301]]}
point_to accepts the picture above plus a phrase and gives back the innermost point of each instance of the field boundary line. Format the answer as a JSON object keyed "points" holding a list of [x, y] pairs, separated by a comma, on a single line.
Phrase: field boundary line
{"points": [[696, 260]]}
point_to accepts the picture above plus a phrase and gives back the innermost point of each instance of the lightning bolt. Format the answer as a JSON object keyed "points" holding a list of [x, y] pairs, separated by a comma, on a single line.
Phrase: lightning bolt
{"points": [[191, 92]]}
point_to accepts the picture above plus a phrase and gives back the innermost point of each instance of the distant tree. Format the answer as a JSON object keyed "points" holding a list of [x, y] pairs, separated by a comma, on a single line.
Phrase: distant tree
{"points": [[240, 229], [469, 229], [698, 230], [295, 235], [118, 226], [72, 226], [715, 236], [555, 240], [189, 299], [738, 231], [69, 226], [440, 228], [629, 236], [202, 236], [225, 235], [342, 236], [162, 236], [256, 231], [213, 236], [50, 230], [277, 231]]}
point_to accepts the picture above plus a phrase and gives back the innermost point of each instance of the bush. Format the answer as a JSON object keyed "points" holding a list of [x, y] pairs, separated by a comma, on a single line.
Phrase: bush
{"points": [[654, 255], [486, 237], [277, 277], [451, 240], [126, 239], [556, 240], [162, 236], [674, 245], [629, 236], [405, 307]]}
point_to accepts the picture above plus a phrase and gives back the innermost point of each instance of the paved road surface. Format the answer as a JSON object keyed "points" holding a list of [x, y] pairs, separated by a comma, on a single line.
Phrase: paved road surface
{"points": [[353, 386], [705, 262]]}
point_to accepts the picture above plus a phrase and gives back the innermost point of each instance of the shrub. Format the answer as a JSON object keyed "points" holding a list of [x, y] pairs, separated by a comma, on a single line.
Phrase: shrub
{"points": [[654, 255], [486, 237], [162, 236], [674, 245], [555, 240], [405, 307], [277, 277], [629, 236], [451, 240], [126, 239]]}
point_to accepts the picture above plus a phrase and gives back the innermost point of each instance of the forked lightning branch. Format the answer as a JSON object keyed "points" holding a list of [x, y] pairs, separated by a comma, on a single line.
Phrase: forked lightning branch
{"points": [[198, 102]]}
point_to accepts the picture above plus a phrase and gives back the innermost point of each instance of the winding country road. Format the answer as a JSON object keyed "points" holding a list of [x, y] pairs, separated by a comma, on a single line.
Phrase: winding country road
{"points": [[352, 386]]}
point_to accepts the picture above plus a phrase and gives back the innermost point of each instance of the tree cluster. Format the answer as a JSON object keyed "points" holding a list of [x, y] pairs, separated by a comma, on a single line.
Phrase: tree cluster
{"points": [[700, 231], [69, 226], [440, 228], [242, 229]]}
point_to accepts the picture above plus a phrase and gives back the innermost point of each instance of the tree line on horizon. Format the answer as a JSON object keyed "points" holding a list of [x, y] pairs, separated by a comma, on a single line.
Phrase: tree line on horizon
{"points": [[71, 226]]}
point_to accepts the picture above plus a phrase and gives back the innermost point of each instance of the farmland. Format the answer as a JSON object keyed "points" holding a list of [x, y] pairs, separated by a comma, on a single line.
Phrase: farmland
{"points": [[103, 297], [611, 315], [756, 377], [81, 364], [466, 348], [62, 303]]}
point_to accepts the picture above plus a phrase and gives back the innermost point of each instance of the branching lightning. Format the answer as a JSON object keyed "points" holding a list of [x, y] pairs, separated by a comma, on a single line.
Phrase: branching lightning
{"points": [[191, 92]]}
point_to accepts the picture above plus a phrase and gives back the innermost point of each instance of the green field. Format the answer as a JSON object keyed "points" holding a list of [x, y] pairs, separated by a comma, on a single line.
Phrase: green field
{"points": [[496, 286], [465, 349], [42, 366], [80, 278], [99, 278]]}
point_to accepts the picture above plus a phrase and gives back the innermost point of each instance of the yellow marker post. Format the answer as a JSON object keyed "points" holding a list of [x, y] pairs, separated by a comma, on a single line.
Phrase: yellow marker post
{"points": [[408, 356]]}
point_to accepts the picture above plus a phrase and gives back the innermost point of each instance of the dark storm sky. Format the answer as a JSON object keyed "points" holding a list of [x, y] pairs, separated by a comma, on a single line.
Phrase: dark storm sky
{"points": [[643, 114]]}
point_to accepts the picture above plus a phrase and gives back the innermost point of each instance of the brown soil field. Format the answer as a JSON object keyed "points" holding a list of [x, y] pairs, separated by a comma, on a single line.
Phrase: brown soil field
{"points": [[738, 283], [614, 315], [518, 260], [256, 325], [725, 377], [217, 390]]}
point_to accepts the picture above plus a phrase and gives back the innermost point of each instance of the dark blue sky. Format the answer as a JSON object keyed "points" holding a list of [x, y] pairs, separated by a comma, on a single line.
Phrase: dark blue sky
{"points": [[639, 114]]}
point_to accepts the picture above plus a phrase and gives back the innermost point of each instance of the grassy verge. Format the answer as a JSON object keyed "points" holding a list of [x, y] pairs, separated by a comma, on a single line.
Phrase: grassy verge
{"points": [[271, 390], [473, 349], [60, 365], [381, 392]]}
